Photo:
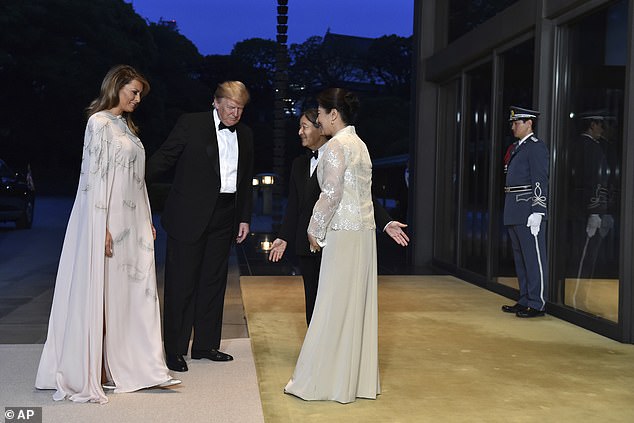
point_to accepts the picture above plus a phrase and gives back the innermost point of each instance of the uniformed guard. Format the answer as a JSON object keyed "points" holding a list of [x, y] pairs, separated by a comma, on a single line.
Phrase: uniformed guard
{"points": [[525, 213]]}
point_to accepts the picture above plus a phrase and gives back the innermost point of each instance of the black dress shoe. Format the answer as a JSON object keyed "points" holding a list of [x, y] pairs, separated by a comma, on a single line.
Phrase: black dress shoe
{"points": [[213, 355], [514, 308], [530, 312], [176, 362]]}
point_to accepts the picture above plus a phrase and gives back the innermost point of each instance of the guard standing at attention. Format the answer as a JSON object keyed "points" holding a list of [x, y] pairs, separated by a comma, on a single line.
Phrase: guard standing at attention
{"points": [[525, 213]]}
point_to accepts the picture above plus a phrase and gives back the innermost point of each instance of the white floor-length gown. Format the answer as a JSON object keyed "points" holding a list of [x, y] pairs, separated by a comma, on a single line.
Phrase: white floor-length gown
{"points": [[339, 358], [91, 287]]}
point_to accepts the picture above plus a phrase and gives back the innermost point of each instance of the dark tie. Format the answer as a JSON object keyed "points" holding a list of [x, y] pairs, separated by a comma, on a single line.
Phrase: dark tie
{"points": [[314, 154], [222, 126]]}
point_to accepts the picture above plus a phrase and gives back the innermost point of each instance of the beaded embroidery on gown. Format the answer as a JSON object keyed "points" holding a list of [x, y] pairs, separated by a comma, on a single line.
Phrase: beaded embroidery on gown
{"points": [[339, 357], [90, 286]]}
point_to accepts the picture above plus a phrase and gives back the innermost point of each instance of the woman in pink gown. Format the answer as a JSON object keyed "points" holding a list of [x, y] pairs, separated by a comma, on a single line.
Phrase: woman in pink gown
{"points": [[105, 320]]}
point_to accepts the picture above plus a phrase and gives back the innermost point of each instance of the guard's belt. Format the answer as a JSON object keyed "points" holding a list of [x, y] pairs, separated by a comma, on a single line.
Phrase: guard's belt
{"points": [[519, 188]]}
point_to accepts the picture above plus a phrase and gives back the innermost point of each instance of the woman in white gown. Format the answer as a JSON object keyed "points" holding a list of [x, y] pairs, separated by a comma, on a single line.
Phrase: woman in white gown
{"points": [[339, 358], [105, 314]]}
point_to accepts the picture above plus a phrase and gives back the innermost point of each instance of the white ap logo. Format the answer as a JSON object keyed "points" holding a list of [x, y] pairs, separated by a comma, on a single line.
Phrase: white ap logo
{"points": [[18, 413]]}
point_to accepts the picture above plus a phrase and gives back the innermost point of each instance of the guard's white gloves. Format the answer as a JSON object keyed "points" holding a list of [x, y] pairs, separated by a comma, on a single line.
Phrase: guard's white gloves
{"points": [[534, 220], [594, 223]]}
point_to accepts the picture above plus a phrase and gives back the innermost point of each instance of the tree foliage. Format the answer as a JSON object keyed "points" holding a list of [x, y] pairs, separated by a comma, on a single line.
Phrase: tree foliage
{"points": [[258, 53], [54, 54], [389, 62], [51, 69], [378, 70]]}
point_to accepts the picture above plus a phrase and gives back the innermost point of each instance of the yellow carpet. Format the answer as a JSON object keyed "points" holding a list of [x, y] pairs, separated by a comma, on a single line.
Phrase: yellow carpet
{"points": [[447, 354]]}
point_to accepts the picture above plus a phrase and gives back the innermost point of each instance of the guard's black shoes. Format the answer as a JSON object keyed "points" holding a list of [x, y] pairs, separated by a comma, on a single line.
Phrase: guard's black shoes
{"points": [[514, 308], [530, 312]]}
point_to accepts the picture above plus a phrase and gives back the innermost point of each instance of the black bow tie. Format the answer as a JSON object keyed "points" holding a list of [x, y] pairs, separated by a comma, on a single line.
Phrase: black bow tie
{"points": [[222, 126], [314, 154]]}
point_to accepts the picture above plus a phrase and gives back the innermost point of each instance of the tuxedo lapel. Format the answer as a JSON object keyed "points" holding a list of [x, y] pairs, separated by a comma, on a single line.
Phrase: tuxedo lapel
{"points": [[312, 190], [241, 156], [312, 183], [209, 133]]}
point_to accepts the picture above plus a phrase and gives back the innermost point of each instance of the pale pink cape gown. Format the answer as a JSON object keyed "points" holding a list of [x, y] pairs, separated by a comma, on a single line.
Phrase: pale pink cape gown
{"points": [[90, 286]]}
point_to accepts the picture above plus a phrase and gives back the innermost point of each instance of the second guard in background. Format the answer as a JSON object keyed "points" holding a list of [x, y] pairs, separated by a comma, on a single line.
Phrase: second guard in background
{"points": [[525, 213]]}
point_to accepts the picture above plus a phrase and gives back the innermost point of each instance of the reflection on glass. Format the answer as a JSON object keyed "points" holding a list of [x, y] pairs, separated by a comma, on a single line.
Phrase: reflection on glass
{"points": [[447, 173], [475, 176], [592, 154]]}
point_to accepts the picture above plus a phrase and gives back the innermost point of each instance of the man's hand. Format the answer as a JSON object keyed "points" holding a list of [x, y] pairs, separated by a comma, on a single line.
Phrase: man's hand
{"points": [[534, 220], [277, 250], [153, 232], [393, 229], [108, 243], [243, 231]]}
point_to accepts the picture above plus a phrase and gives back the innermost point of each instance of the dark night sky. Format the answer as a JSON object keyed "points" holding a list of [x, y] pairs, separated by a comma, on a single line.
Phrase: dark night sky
{"points": [[200, 20]]}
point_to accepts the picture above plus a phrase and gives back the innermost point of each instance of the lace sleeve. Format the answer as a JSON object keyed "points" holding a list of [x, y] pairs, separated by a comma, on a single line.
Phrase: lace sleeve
{"points": [[331, 171]]}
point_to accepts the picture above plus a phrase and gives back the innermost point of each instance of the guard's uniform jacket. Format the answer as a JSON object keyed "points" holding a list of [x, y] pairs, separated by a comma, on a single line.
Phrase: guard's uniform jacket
{"points": [[526, 185]]}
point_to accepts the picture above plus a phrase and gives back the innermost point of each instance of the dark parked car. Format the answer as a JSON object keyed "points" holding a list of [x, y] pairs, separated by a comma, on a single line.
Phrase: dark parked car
{"points": [[17, 196]]}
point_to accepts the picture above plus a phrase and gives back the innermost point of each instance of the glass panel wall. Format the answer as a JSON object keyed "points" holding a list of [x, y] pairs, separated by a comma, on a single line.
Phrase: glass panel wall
{"points": [[448, 175], [516, 81], [589, 163], [475, 170]]}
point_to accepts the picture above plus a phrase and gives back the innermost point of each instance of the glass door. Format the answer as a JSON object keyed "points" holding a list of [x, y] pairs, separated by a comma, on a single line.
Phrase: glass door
{"points": [[588, 230], [515, 70], [447, 173], [474, 216]]}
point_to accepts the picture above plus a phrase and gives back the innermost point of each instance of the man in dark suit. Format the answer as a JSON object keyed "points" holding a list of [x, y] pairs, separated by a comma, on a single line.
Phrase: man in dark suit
{"points": [[209, 203], [525, 204], [303, 193]]}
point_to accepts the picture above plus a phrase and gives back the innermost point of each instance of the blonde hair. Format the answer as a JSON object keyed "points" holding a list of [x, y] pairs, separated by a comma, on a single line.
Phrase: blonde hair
{"points": [[233, 90], [116, 78]]}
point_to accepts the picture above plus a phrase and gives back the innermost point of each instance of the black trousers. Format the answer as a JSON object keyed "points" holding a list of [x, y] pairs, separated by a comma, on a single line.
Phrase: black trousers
{"points": [[195, 283], [309, 265]]}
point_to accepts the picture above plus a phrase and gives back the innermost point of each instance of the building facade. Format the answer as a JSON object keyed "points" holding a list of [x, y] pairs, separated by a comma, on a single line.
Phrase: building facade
{"points": [[571, 60]]}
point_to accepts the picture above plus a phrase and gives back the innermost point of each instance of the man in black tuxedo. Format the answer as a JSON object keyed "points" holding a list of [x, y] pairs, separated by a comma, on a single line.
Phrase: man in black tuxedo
{"points": [[303, 193], [209, 203]]}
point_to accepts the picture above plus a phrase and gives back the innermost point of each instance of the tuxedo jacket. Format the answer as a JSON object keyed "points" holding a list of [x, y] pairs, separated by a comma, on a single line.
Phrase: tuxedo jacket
{"points": [[303, 192], [192, 147]]}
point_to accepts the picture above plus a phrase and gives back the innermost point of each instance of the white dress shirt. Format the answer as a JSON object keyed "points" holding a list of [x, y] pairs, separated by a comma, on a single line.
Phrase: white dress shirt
{"points": [[314, 161], [228, 155]]}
